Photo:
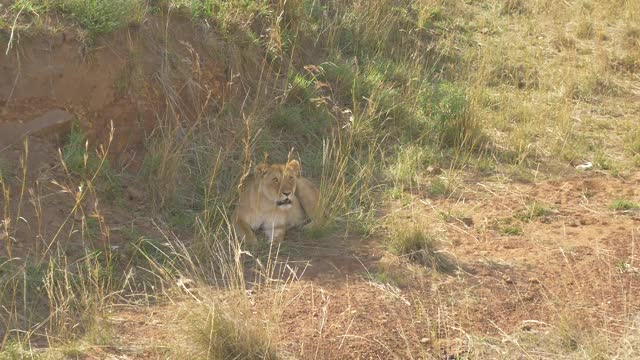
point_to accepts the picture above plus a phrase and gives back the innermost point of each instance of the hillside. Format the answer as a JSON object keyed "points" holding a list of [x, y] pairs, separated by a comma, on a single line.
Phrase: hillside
{"points": [[479, 163]]}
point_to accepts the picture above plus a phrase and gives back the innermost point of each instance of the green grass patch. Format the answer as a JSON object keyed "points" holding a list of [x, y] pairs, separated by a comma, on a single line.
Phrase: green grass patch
{"points": [[233, 17], [533, 211], [99, 16], [447, 107], [438, 188], [623, 205], [16, 350], [80, 161], [512, 230]]}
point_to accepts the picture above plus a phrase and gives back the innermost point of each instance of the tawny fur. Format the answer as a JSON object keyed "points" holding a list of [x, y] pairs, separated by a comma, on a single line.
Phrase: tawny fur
{"points": [[275, 199]]}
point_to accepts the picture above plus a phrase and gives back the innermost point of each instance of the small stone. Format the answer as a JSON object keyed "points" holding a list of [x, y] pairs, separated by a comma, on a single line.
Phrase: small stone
{"points": [[467, 221], [425, 340], [585, 166]]}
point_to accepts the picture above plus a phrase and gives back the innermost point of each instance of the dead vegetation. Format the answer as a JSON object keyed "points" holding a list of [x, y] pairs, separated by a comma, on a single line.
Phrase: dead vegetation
{"points": [[443, 135]]}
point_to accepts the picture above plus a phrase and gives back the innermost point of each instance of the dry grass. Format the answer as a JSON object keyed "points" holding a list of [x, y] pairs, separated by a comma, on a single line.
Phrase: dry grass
{"points": [[415, 245], [49, 297], [549, 70], [387, 89]]}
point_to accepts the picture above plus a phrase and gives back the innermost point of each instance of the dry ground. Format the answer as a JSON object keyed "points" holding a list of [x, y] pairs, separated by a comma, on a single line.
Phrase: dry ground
{"points": [[565, 287], [546, 263]]}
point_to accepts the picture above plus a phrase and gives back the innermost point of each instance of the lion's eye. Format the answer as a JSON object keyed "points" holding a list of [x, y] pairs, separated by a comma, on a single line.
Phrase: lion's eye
{"points": [[275, 180], [290, 178]]}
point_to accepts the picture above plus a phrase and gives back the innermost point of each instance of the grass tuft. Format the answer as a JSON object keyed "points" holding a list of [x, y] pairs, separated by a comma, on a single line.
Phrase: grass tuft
{"points": [[98, 16], [632, 142], [512, 230], [93, 167], [417, 246], [410, 162], [447, 105], [623, 205], [532, 212], [585, 29], [219, 336], [514, 7]]}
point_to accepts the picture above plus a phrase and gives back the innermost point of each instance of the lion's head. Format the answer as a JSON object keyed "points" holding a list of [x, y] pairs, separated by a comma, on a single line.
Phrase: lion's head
{"points": [[278, 182]]}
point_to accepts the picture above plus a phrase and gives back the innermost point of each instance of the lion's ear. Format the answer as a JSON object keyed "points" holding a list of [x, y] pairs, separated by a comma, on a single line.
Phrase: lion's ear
{"points": [[261, 169], [294, 165]]}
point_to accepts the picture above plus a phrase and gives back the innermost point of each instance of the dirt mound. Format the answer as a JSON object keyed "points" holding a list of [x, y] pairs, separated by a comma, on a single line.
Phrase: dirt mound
{"points": [[119, 79]]}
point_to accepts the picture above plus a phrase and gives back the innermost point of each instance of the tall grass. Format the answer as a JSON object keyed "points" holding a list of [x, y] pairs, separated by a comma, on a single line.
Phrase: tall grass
{"points": [[63, 298], [367, 93], [48, 296]]}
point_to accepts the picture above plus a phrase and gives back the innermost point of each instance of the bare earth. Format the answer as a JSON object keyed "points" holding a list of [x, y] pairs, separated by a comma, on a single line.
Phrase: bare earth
{"points": [[566, 278], [578, 263]]}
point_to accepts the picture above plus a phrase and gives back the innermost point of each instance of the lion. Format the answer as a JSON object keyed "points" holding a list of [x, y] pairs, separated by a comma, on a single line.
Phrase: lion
{"points": [[276, 198]]}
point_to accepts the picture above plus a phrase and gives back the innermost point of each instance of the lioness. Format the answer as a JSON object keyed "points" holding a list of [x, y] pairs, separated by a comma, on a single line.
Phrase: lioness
{"points": [[275, 199]]}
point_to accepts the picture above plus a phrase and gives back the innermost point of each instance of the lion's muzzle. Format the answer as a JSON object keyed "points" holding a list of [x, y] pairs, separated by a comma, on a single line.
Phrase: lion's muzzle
{"points": [[286, 203]]}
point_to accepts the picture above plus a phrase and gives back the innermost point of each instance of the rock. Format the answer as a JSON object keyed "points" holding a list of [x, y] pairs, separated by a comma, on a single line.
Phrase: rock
{"points": [[585, 166], [50, 124]]}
